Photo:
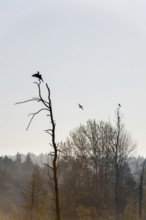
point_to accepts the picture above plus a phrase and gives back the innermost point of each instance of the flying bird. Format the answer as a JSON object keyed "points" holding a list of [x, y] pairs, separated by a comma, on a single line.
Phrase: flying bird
{"points": [[80, 106], [38, 75]]}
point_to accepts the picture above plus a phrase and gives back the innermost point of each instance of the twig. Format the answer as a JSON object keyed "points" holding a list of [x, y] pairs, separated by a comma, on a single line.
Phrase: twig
{"points": [[29, 100], [40, 95], [33, 115]]}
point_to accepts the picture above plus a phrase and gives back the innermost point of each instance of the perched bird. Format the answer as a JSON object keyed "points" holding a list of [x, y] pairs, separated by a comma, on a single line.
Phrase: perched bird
{"points": [[80, 106], [38, 75], [119, 105]]}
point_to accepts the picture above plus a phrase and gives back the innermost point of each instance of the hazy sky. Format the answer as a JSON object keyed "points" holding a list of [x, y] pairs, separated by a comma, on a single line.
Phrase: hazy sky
{"points": [[89, 51]]}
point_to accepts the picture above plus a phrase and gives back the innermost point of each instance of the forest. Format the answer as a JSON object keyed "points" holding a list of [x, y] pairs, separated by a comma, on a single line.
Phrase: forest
{"points": [[99, 178], [92, 175]]}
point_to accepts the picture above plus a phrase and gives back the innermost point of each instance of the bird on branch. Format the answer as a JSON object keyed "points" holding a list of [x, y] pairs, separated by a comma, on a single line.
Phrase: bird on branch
{"points": [[80, 106], [38, 75]]}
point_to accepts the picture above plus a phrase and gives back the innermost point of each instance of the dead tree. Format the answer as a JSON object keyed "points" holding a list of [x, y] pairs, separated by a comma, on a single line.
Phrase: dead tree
{"points": [[141, 189], [47, 106], [120, 149]]}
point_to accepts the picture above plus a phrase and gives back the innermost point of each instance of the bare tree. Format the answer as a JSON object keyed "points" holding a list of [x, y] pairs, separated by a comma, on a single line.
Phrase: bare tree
{"points": [[141, 189], [34, 195], [47, 106], [121, 148]]}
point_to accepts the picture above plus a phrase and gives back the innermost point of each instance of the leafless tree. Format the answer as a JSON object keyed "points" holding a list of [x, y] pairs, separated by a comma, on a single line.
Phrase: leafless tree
{"points": [[120, 148], [141, 189], [47, 106], [34, 196]]}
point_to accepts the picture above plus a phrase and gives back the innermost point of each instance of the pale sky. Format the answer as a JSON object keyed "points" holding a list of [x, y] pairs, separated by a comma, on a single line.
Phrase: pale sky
{"points": [[89, 51]]}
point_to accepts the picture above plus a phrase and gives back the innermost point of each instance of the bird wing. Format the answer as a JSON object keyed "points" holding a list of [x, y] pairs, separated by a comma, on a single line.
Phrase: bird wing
{"points": [[35, 75]]}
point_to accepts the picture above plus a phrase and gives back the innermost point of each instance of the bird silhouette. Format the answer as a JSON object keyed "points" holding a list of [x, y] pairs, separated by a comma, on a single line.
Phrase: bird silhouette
{"points": [[119, 105], [80, 106], [38, 75]]}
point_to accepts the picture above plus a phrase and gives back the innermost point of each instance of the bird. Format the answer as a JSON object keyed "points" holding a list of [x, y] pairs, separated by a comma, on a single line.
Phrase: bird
{"points": [[38, 75], [119, 105], [80, 106]]}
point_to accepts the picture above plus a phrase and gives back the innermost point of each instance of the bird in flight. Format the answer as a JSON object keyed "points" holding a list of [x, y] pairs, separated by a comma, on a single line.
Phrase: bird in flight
{"points": [[80, 106], [38, 75]]}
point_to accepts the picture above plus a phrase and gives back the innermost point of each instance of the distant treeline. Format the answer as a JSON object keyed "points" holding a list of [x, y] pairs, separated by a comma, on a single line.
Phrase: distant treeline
{"points": [[99, 178]]}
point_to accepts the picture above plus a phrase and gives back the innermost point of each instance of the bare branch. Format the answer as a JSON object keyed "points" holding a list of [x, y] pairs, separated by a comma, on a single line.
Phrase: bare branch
{"points": [[51, 154], [48, 133], [40, 95], [33, 115], [48, 165], [48, 130], [29, 100], [49, 93]]}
